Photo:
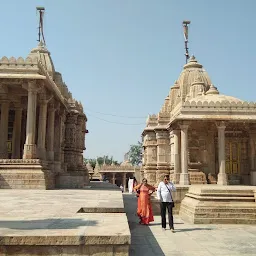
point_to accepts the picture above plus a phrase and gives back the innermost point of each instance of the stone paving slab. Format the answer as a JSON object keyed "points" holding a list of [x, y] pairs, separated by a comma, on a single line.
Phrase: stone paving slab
{"points": [[189, 239], [24, 203], [37, 217]]}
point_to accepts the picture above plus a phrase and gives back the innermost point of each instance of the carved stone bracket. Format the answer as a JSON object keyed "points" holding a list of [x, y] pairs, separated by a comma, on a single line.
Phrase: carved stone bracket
{"points": [[32, 86], [44, 96], [51, 105], [220, 124]]}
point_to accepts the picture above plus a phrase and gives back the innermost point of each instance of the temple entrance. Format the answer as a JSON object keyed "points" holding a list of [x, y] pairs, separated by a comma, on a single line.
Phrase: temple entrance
{"points": [[233, 162]]}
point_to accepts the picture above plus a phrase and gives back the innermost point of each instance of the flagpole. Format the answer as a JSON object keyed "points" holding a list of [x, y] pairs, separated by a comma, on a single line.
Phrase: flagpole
{"points": [[185, 32], [41, 28]]}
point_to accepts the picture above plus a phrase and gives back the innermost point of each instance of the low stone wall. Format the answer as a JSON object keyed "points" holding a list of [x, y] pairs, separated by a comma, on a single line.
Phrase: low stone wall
{"points": [[72, 180], [68, 250]]}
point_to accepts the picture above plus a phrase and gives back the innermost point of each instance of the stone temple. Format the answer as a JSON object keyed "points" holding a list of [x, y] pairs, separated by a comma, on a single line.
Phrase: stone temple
{"points": [[201, 136], [42, 127], [206, 142]]}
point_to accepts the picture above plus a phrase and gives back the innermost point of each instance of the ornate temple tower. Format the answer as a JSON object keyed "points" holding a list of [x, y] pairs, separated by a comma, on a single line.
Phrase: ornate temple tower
{"points": [[43, 127], [200, 136]]}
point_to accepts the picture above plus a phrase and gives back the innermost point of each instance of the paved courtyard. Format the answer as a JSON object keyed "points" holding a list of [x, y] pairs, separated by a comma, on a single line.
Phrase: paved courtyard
{"points": [[189, 239], [63, 222]]}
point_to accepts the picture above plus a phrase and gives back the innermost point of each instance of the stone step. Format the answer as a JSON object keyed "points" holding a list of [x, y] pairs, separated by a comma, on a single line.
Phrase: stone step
{"points": [[223, 220], [101, 210], [21, 177], [228, 198], [23, 181], [22, 186], [220, 209]]}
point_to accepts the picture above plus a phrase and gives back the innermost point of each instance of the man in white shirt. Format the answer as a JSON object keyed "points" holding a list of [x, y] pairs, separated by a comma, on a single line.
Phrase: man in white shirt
{"points": [[164, 194]]}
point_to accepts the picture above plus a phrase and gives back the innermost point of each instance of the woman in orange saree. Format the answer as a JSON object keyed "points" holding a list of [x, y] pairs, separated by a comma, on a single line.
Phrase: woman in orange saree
{"points": [[144, 210]]}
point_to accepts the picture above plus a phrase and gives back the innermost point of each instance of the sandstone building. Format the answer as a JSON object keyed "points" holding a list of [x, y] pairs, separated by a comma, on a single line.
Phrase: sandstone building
{"points": [[42, 127], [201, 136], [120, 174]]}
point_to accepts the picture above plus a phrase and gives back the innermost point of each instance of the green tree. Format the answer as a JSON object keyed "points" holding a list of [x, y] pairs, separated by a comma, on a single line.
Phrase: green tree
{"points": [[108, 161], [135, 153], [91, 161]]}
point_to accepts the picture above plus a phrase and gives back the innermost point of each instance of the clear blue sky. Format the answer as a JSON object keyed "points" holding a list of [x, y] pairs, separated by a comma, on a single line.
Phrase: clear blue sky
{"points": [[121, 57]]}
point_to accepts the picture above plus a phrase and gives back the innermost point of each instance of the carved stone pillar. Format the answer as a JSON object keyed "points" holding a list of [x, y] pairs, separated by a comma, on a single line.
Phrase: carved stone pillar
{"points": [[252, 157], [176, 155], [62, 134], [162, 155], [184, 178], [70, 140], [16, 134], [144, 154], [80, 132], [41, 151], [151, 165], [222, 176], [113, 178], [211, 150], [50, 131], [4, 129], [58, 135], [30, 146], [124, 181]]}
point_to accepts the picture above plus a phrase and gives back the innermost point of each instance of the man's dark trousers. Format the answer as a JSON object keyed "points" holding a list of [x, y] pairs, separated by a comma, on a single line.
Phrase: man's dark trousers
{"points": [[163, 206]]}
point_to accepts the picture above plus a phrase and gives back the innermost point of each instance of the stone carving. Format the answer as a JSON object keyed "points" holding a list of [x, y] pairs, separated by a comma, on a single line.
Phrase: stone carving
{"points": [[154, 155], [20, 63]]}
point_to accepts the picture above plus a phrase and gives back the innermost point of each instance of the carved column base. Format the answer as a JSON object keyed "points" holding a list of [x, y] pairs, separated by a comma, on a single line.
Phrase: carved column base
{"points": [[222, 179], [29, 151], [184, 179]]}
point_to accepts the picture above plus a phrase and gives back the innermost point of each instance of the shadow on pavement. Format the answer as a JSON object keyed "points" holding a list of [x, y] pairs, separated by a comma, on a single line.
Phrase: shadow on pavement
{"points": [[143, 240]]}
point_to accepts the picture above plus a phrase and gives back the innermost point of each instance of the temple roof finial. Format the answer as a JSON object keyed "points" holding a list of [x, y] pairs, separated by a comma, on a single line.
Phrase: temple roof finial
{"points": [[41, 11]]}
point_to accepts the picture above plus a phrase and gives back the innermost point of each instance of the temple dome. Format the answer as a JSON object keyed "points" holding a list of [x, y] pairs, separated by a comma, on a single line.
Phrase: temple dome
{"points": [[213, 95], [193, 74], [43, 55]]}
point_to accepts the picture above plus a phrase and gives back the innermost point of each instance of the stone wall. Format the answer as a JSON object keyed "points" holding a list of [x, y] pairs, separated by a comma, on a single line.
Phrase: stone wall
{"points": [[89, 250]]}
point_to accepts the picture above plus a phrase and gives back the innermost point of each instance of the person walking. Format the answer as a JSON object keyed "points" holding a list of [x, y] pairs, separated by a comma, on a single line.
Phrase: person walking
{"points": [[144, 208], [164, 194]]}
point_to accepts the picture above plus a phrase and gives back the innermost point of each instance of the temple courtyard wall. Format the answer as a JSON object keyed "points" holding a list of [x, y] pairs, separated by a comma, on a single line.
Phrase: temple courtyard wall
{"points": [[64, 222]]}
